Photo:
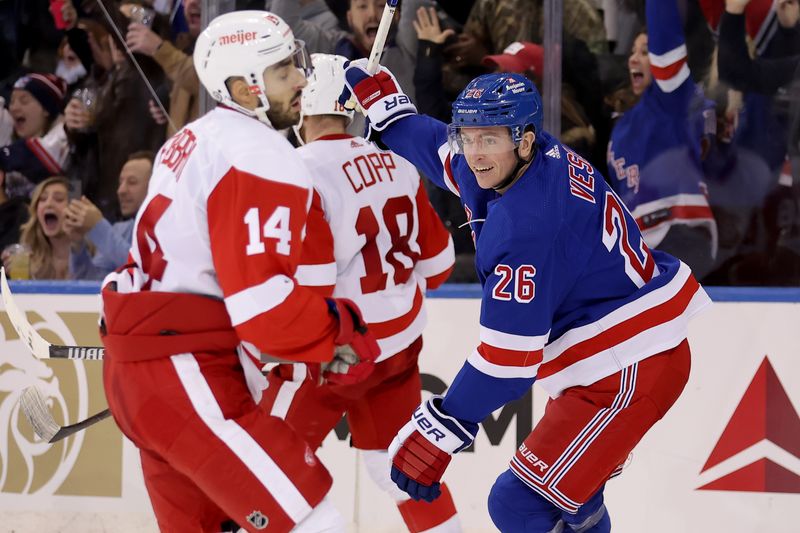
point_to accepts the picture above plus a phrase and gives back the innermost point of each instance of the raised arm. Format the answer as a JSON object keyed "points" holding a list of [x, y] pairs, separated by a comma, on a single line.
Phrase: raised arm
{"points": [[393, 122], [667, 50]]}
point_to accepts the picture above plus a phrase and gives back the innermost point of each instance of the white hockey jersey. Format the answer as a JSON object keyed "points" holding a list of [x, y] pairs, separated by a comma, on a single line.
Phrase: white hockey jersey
{"points": [[373, 237], [225, 216]]}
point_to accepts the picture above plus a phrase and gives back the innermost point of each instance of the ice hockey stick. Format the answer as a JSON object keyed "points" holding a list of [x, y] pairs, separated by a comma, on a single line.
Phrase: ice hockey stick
{"points": [[35, 408], [40, 348]]}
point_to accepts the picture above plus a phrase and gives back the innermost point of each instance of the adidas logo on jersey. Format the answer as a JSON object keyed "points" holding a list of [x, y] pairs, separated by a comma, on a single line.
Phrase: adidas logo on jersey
{"points": [[355, 144], [554, 152]]}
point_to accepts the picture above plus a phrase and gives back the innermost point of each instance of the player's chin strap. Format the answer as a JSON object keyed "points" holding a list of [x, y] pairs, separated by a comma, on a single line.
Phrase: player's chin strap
{"points": [[520, 164]]}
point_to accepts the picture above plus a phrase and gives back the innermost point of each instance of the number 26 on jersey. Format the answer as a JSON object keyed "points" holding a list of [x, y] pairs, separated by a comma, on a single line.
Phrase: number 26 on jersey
{"points": [[515, 283]]}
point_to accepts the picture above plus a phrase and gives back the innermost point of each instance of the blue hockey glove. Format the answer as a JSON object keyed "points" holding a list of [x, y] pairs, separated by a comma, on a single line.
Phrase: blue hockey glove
{"points": [[380, 96], [423, 448]]}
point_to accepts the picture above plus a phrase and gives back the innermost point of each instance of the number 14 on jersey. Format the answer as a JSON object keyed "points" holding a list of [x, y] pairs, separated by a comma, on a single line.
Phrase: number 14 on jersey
{"points": [[276, 227]]}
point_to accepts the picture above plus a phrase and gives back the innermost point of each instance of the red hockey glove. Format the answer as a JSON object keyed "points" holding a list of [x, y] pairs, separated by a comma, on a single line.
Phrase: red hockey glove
{"points": [[357, 348], [380, 96], [423, 448]]}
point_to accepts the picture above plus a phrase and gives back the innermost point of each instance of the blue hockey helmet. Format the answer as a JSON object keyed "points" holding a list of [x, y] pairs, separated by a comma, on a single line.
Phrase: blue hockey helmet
{"points": [[500, 99]]}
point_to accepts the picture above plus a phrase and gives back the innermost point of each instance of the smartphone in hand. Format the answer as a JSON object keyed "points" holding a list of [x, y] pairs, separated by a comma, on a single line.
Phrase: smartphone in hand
{"points": [[75, 189]]}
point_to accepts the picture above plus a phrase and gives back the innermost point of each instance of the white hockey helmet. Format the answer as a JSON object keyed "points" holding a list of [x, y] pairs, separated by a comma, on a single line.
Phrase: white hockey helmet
{"points": [[321, 95], [245, 43]]}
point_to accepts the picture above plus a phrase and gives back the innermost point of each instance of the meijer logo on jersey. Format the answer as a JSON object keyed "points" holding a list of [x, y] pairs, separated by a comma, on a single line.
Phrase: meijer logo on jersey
{"points": [[240, 37], [759, 450]]}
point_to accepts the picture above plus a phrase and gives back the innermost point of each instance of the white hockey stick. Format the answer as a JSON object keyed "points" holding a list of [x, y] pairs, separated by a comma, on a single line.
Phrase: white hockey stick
{"points": [[39, 347], [377, 46], [37, 412]]}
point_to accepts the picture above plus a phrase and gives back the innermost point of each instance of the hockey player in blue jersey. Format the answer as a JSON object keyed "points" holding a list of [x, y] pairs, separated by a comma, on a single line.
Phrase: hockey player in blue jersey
{"points": [[572, 298]]}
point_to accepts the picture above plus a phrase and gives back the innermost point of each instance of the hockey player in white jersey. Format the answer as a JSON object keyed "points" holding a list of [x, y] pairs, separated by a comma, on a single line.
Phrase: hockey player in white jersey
{"points": [[373, 237], [215, 249]]}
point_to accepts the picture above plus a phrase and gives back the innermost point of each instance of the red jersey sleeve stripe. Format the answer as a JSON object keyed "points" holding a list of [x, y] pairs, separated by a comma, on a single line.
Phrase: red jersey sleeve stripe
{"points": [[668, 72], [439, 263], [388, 328], [485, 366], [670, 69], [434, 282], [502, 357], [449, 180]]}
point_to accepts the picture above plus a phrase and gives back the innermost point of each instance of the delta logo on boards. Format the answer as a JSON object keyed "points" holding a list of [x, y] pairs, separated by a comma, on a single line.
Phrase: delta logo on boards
{"points": [[759, 450]]}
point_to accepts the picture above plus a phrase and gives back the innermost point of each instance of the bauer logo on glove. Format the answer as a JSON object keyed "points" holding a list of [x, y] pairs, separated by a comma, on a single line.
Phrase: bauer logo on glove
{"points": [[391, 103], [423, 447], [370, 91]]}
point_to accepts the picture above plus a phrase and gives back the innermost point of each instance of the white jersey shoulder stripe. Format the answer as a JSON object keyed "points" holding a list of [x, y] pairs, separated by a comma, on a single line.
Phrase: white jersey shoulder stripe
{"points": [[316, 275], [509, 341], [668, 58], [251, 302]]}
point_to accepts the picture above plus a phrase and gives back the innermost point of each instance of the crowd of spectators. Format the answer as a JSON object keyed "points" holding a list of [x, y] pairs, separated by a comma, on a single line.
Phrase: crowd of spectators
{"points": [[92, 89]]}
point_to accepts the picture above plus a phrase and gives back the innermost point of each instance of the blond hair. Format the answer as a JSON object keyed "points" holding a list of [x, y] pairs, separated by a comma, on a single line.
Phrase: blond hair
{"points": [[32, 234]]}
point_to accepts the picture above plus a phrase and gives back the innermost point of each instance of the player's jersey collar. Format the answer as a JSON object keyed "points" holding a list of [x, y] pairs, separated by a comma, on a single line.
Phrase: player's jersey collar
{"points": [[334, 137]]}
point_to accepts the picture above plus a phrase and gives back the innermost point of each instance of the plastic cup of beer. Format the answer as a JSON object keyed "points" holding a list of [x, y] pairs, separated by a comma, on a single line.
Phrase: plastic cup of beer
{"points": [[19, 261], [88, 97], [142, 15]]}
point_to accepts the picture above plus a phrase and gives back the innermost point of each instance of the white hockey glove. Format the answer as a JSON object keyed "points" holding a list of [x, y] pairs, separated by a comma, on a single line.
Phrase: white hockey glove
{"points": [[380, 97]]}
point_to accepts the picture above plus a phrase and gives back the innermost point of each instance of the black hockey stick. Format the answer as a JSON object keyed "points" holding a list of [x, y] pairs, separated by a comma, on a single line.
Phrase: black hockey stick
{"points": [[37, 412], [40, 348]]}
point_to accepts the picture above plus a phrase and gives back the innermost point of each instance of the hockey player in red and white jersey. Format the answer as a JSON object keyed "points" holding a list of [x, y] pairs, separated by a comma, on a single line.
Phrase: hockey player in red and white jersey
{"points": [[215, 250], [374, 238]]}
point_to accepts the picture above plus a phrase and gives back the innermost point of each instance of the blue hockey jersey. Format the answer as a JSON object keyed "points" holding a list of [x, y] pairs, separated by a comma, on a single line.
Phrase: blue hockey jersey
{"points": [[571, 293], [654, 152]]}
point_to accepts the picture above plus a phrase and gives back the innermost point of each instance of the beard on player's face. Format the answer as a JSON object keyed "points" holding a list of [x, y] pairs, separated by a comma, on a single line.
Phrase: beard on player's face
{"points": [[285, 114]]}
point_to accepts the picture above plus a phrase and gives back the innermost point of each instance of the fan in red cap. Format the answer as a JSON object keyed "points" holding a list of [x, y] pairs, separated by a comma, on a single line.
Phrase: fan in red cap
{"points": [[522, 56]]}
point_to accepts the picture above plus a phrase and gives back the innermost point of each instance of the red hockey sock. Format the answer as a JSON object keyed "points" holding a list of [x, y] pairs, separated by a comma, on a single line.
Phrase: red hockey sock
{"points": [[421, 516]]}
